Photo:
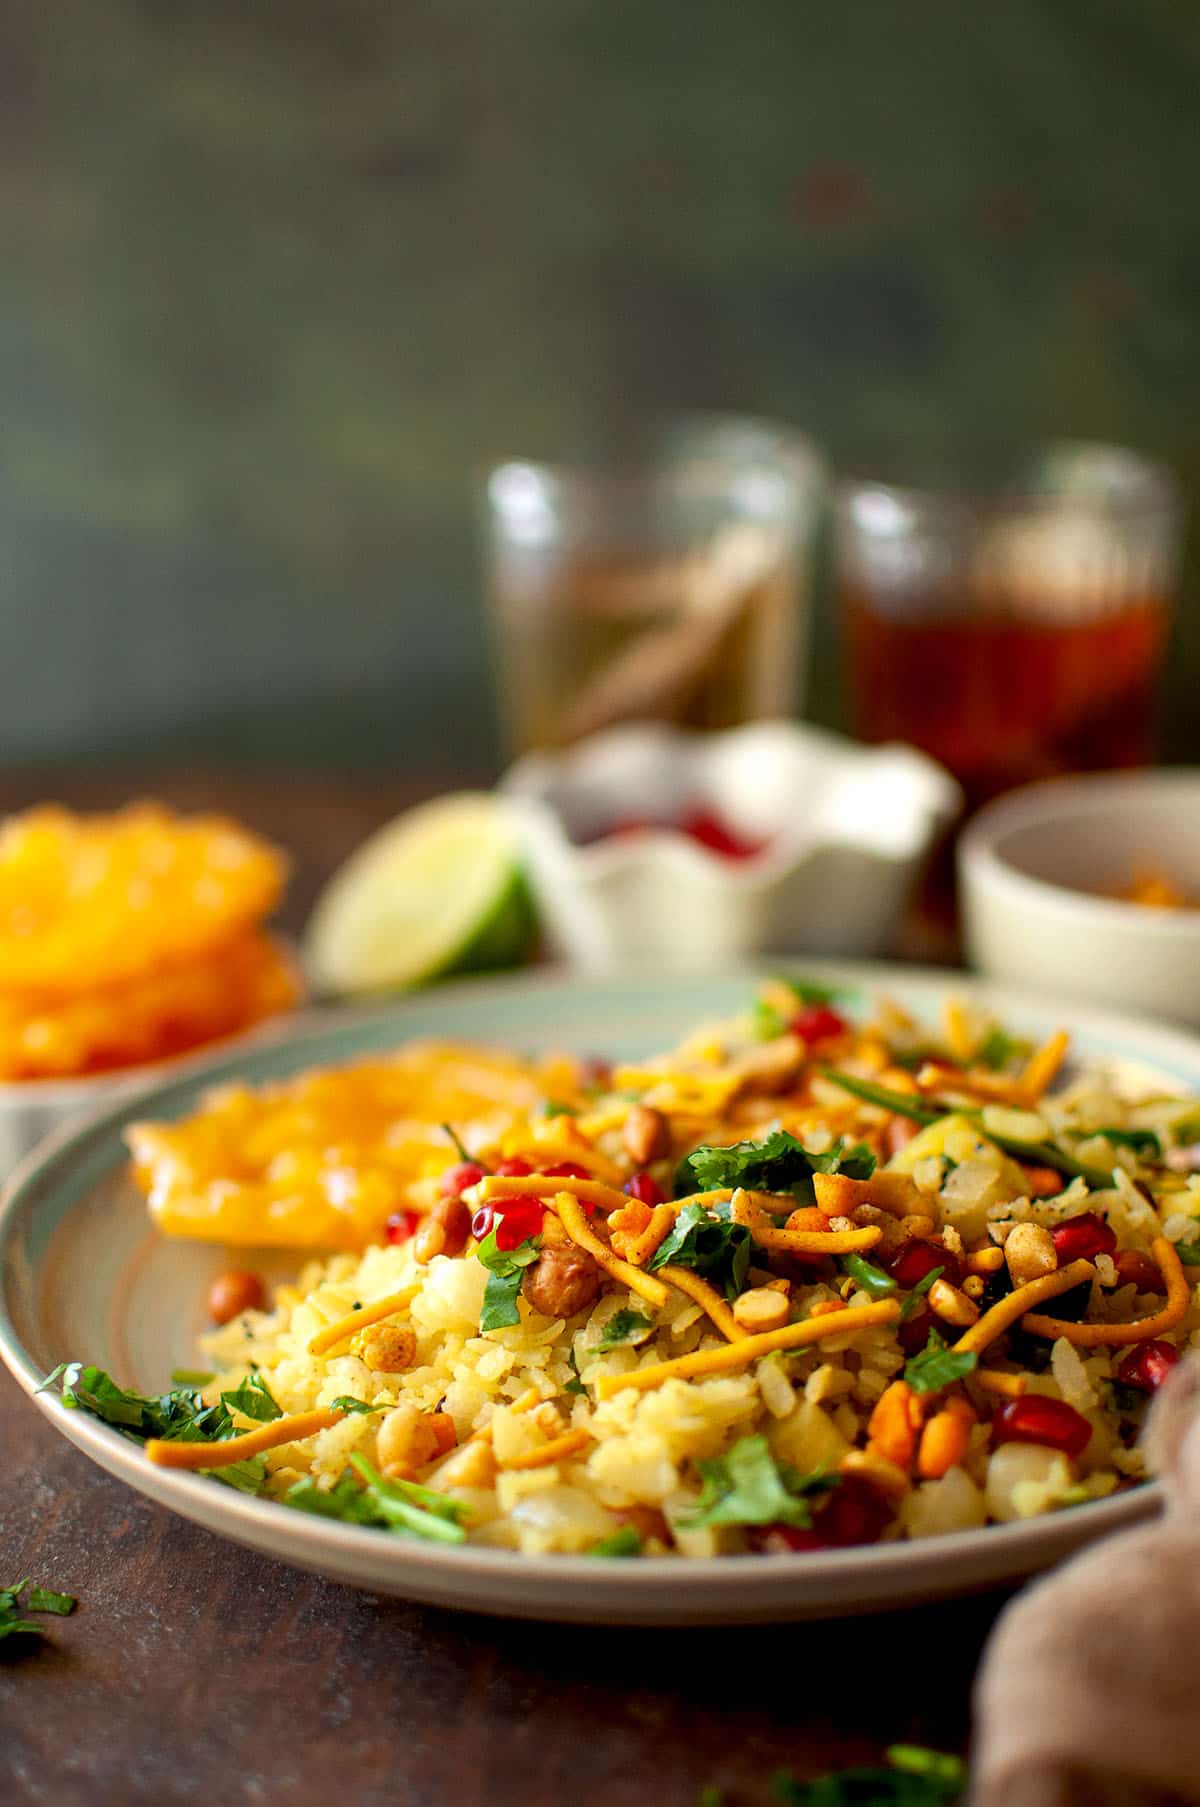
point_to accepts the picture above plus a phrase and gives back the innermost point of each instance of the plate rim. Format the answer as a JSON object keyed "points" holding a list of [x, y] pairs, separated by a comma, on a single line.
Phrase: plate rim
{"points": [[321, 1543]]}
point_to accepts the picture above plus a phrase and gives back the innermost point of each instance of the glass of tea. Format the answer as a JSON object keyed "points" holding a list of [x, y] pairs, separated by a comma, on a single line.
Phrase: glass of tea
{"points": [[1017, 634], [675, 589]]}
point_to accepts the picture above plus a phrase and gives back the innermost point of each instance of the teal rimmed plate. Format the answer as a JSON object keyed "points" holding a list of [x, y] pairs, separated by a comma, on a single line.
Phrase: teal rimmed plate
{"points": [[85, 1277]]}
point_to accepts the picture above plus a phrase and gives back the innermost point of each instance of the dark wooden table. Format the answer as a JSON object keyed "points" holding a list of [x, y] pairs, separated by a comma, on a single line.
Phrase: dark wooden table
{"points": [[196, 1671]]}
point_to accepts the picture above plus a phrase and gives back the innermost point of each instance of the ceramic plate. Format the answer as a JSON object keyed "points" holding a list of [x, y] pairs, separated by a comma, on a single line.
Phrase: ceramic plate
{"points": [[84, 1277]]}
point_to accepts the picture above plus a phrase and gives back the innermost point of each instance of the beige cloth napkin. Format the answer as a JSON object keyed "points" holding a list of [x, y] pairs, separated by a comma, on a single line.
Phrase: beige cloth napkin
{"points": [[1089, 1694]]}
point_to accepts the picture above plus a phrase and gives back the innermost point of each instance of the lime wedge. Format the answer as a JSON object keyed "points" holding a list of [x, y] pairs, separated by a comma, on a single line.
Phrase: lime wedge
{"points": [[438, 891]]}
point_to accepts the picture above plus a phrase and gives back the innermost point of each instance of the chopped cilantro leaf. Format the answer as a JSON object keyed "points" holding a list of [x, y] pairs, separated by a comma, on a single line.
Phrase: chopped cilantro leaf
{"points": [[1189, 1253], [254, 1399], [624, 1542], [361, 1496], [575, 1384], [180, 1415], [937, 1366], [37, 1599], [345, 1403], [914, 1777], [812, 991], [551, 1107], [776, 1164], [505, 1268], [709, 1243], [621, 1328], [745, 1487]]}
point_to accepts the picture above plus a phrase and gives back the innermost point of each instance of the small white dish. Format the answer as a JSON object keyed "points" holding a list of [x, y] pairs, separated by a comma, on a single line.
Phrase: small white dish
{"points": [[846, 831], [84, 1276], [1034, 865]]}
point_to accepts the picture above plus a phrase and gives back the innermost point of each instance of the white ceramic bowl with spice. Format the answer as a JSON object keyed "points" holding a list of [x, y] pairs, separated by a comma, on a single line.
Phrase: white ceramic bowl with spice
{"points": [[1041, 872], [843, 832]]}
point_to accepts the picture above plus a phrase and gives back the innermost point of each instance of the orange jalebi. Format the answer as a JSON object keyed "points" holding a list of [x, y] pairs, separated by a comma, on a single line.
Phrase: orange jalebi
{"points": [[92, 902]]}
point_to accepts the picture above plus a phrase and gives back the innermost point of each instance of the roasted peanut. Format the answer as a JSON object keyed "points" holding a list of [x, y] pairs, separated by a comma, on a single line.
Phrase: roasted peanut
{"points": [[561, 1281], [387, 1348], [762, 1308], [1029, 1252], [444, 1231], [233, 1293], [951, 1304], [406, 1440], [646, 1134]]}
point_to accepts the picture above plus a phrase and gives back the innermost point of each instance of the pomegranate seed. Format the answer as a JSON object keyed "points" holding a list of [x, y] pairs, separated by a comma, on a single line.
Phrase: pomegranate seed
{"points": [[514, 1169], [914, 1260], [481, 1223], [818, 1023], [706, 827], [1133, 1266], [401, 1225], [856, 1513], [520, 1218], [1036, 1419], [456, 1179], [643, 1187], [568, 1170], [777, 1540], [1147, 1366], [1083, 1238]]}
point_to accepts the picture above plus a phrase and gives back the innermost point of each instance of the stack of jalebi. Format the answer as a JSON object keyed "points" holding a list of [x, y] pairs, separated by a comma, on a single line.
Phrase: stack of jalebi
{"points": [[130, 937]]}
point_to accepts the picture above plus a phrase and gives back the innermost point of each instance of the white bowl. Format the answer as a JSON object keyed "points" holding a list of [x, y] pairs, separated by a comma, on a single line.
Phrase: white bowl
{"points": [[847, 828], [1031, 866]]}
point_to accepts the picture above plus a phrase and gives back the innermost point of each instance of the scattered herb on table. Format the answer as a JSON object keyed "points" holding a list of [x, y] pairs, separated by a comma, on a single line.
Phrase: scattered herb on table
{"points": [[621, 1328], [505, 1269], [745, 1486], [914, 1777], [937, 1366], [13, 1609]]}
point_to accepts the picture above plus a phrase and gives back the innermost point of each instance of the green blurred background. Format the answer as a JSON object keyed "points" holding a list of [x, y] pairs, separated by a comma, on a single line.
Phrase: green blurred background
{"points": [[279, 280]]}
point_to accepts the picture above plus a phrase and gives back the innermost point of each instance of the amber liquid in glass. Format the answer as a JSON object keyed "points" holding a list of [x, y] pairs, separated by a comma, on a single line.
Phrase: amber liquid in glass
{"points": [[600, 641], [1002, 699]]}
